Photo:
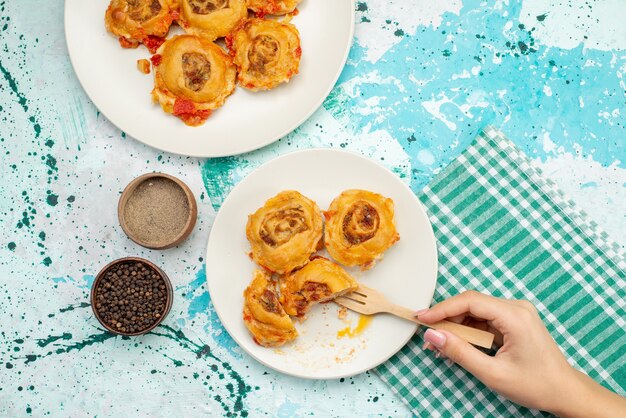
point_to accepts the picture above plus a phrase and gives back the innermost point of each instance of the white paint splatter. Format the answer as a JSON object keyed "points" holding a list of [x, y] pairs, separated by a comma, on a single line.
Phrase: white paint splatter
{"points": [[549, 147], [462, 74], [377, 42], [547, 90], [566, 25], [425, 157], [421, 82], [434, 108]]}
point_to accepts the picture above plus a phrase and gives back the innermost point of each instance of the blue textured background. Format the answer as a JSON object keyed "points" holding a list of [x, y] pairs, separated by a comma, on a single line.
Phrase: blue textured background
{"points": [[420, 81]]}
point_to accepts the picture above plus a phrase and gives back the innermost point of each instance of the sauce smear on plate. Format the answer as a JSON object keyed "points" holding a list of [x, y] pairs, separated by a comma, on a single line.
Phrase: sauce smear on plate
{"points": [[364, 321]]}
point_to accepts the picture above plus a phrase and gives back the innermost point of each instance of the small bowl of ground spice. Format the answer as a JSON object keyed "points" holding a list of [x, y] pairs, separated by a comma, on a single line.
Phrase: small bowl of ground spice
{"points": [[157, 211], [131, 296]]}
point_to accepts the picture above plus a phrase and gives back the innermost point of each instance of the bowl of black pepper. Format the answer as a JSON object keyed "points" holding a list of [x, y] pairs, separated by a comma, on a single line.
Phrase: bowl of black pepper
{"points": [[131, 296]]}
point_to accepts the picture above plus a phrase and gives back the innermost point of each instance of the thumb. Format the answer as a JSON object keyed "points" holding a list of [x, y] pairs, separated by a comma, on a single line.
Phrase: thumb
{"points": [[461, 352]]}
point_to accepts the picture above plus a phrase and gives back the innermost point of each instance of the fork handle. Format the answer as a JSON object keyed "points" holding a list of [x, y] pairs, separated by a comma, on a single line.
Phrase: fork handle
{"points": [[471, 335]]}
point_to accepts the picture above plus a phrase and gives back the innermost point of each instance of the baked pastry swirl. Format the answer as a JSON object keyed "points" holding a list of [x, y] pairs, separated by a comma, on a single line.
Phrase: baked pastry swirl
{"points": [[319, 281], [266, 53], [263, 315], [211, 19], [140, 21], [272, 7], [360, 227], [285, 232], [192, 77]]}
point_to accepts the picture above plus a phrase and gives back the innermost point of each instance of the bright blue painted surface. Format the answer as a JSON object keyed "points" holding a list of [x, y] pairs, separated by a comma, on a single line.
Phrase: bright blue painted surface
{"points": [[508, 94]]}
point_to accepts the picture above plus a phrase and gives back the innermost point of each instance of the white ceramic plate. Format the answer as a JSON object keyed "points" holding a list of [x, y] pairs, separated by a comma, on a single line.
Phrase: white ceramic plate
{"points": [[247, 120], [407, 274]]}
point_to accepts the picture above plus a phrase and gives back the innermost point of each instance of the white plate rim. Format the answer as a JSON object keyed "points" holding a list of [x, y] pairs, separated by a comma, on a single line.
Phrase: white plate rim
{"points": [[431, 291], [243, 150]]}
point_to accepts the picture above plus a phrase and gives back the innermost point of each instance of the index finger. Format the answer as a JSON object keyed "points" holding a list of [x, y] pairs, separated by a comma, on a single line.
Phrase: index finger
{"points": [[469, 302]]}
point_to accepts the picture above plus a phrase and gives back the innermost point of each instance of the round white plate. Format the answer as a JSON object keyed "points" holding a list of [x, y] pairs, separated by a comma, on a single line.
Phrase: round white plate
{"points": [[247, 120], [407, 274]]}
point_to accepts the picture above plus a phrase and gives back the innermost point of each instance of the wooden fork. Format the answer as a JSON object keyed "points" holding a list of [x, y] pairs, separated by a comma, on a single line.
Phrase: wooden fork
{"points": [[368, 301]]}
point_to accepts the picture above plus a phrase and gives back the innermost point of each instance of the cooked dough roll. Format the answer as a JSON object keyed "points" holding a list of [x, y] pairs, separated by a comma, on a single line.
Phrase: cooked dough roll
{"points": [[319, 281], [263, 315], [272, 7], [360, 227], [211, 19], [285, 232], [140, 21], [193, 77], [266, 53]]}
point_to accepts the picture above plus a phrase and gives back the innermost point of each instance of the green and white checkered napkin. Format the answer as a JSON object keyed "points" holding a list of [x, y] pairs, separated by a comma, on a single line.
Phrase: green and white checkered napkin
{"points": [[503, 229]]}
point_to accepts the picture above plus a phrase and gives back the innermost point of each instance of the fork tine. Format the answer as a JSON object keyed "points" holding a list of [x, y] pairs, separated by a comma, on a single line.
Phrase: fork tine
{"points": [[348, 298], [359, 293], [351, 304], [357, 305], [356, 295]]}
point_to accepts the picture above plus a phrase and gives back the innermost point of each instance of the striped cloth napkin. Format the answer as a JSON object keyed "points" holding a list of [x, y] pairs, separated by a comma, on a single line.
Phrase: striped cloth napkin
{"points": [[505, 230]]}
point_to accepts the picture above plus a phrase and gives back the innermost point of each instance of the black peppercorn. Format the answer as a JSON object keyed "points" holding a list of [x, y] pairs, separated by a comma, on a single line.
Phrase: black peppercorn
{"points": [[131, 297]]}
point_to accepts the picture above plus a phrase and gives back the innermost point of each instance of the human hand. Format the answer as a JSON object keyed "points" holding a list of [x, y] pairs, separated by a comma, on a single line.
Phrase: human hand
{"points": [[528, 368]]}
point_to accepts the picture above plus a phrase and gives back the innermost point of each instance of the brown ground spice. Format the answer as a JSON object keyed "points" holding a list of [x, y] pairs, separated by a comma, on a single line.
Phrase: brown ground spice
{"points": [[157, 211]]}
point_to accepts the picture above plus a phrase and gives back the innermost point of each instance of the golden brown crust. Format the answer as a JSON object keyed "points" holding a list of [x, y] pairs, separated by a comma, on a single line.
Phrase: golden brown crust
{"points": [[360, 227], [272, 7], [192, 77], [136, 21], [143, 65], [319, 281], [266, 53], [263, 315], [285, 232], [211, 19]]}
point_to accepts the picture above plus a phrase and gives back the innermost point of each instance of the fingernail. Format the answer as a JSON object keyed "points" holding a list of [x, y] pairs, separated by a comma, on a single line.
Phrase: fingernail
{"points": [[421, 312], [438, 354], [436, 338]]}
